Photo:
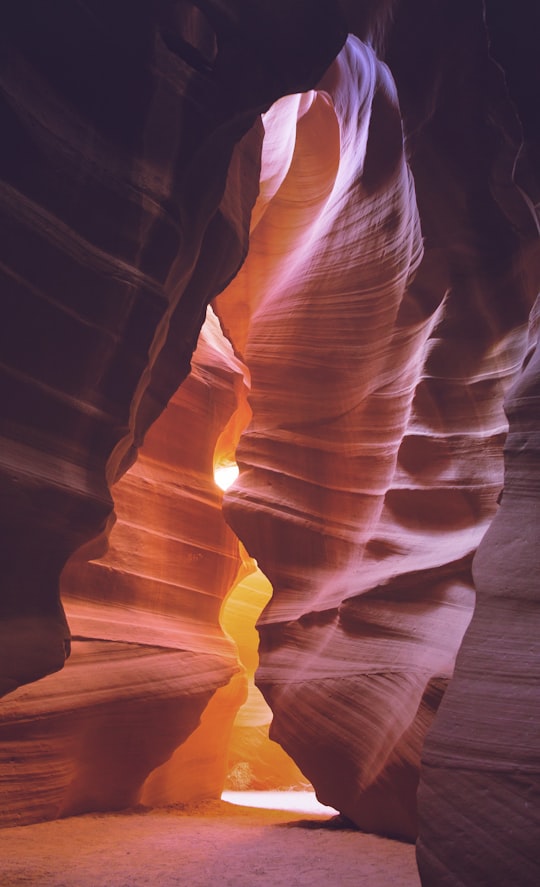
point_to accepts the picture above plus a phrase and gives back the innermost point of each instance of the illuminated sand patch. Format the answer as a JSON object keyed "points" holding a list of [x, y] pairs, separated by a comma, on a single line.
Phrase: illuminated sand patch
{"points": [[295, 802]]}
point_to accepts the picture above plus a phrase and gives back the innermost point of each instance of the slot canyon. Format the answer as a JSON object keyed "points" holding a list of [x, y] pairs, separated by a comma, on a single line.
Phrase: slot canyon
{"points": [[288, 248]]}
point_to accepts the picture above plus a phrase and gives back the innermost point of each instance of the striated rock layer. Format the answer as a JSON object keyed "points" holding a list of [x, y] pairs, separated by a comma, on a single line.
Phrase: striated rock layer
{"points": [[379, 361], [331, 397], [123, 213], [381, 314], [480, 790], [478, 798], [148, 654]]}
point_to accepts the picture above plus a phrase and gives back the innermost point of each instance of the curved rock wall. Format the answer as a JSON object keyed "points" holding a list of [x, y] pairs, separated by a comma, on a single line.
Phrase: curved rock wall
{"points": [[148, 654], [382, 316], [379, 363], [331, 397], [480, 783], [254, 761], [119, 125]]}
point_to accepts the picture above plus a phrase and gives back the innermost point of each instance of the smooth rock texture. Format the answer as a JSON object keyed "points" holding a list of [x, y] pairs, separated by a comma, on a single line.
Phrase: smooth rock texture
{"points": [[148, 653], [254, 761], [490, 763], [387, 206], [123, 214], [372, 465]]}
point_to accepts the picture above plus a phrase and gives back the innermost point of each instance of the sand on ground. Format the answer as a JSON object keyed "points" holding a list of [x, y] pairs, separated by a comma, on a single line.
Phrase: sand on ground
{"points": [[213, 843]]}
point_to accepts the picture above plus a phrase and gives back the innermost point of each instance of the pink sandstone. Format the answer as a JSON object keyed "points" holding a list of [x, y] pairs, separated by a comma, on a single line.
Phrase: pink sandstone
{"points": [[370, 244]]}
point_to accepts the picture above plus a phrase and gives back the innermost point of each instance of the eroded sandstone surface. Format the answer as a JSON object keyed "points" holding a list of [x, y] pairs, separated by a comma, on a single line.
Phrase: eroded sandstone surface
{"points": [[372, 465], [370, 244], [489, 763], [124, 213], [148, 653]]}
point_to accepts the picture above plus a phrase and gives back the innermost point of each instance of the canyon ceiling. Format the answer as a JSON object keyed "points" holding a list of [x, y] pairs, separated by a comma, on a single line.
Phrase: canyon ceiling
{"points": [[302, 236]]}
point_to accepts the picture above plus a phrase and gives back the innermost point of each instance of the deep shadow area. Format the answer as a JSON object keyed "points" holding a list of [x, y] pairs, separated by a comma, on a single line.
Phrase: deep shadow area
{"points": [[335, 823]]}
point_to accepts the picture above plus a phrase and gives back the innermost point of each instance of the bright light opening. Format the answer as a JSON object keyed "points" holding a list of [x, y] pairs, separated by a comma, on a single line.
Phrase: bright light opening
{"points": [[226, 474]]}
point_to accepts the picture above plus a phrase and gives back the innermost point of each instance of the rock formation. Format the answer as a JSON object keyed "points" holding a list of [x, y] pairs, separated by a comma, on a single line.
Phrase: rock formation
{"points": [[110, 253], [371, 247], [148, 653], [254, 761], [371, 468], [480, 792]]}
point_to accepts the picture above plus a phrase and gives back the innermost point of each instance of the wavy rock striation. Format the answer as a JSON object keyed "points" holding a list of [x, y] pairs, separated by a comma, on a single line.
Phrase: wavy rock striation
{"points": [[478, 795], [379, 362], [381, 314], [148, 653], [123, 214], [481, 775], [321, 448]]}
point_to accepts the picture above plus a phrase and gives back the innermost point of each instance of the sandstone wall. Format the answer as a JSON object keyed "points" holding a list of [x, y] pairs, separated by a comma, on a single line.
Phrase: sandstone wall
{"points": [[381, 319], [380, 337], [119, 125]]}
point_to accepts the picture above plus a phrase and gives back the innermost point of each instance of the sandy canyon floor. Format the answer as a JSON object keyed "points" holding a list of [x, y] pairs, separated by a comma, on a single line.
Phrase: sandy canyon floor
{"points": [[215, 843]]}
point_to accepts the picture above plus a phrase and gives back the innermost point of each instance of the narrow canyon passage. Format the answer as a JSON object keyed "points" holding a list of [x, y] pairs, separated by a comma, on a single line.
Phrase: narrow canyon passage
{"points": [[296, 242], [254, 761]]}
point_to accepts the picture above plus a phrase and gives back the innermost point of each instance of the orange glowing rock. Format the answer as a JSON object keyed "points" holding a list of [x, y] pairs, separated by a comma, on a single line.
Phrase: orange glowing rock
{"points": [[254, 760], [148, 649]]}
